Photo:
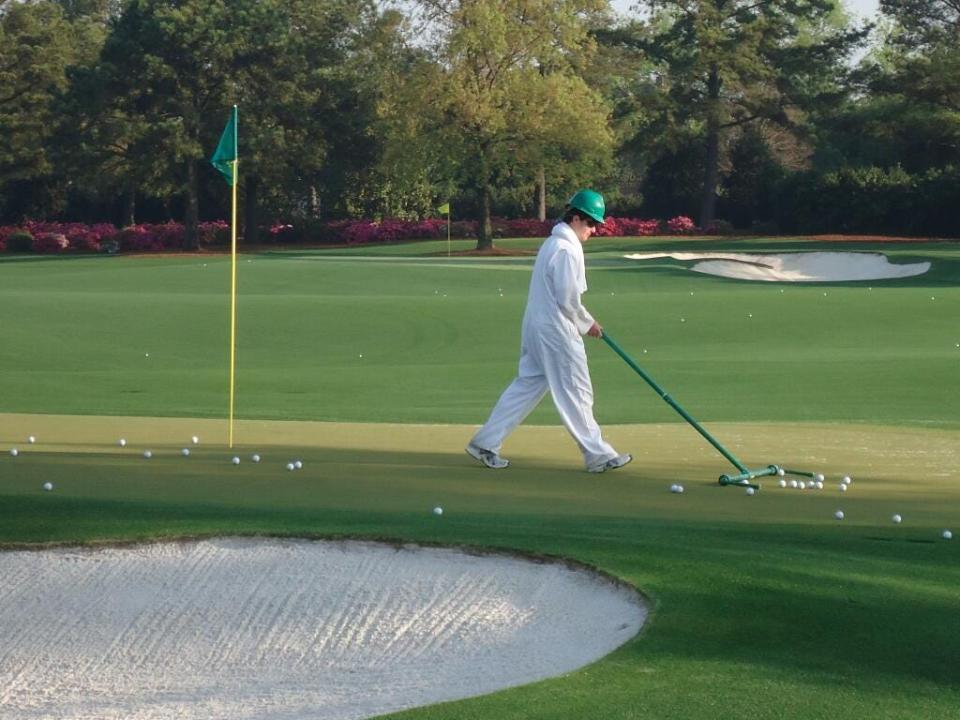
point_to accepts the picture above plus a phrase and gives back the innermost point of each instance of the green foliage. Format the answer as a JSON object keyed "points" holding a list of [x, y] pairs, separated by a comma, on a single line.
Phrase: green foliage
{"points": [[510, 99], [35, 50], [872, 200], [20, 241]]}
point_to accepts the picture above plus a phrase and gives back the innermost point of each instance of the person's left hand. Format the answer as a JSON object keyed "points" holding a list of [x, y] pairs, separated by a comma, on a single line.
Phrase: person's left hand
{"points": [[595, 331]]}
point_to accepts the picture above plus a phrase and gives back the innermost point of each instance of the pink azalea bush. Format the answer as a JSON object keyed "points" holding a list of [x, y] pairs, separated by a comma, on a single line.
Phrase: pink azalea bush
{"points": [[54, 237], [681, 225]]}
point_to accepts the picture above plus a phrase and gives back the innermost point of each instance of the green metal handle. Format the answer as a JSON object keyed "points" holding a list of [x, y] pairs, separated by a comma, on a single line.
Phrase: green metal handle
{"points": [[676, 406]]}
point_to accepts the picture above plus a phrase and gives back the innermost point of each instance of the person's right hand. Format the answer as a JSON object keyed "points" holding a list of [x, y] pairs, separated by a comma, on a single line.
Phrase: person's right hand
{"points": [[595, 331]]}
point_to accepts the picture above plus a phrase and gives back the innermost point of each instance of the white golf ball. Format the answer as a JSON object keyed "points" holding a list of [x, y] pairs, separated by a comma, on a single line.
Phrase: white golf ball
{"points": [[31, 439], [235, 460], [751, 491], [195, 440], [48, 486], [794, 483], [781, 472], [680, 489], [14, 452], [838, 514], [846, 480], [123, 442], [438, 510], [298, 464], [673, 488], [802, 485], [947, 535], [843, 488], [147, 454], [255, 458], [896, 519], [290, 466], [819, 485], [782, 483], [818, 477], [683, 319], [185, 452]]}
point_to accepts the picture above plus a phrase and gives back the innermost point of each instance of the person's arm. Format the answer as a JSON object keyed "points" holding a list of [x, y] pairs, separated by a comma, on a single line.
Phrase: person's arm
{"points": [[566, 287]]}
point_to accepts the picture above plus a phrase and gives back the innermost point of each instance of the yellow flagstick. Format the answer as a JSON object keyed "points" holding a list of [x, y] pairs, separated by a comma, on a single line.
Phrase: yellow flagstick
{"points": [[233, 295]]}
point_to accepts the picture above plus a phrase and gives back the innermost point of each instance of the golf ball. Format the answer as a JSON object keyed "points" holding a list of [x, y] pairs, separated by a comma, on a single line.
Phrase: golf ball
{"points": [[794, 483], [896, 519], [802, 485], [185, 452], [123, 442], [235, 460], [781, 472], [290, 466], [843, 488], [846, 480], [255, 458], [31, 439], [14, 452], [751, 491], [147, 454], [782, 483], [195, 440], [683, 319], [438, 510], [818, 477], [48, 486], [819, 485], [680, 489], [838, 514], [298, 464], [673, 488], [947, 535]]}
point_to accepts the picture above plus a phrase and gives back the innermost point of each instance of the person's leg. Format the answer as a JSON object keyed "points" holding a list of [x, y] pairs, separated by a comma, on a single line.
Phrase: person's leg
{"points": [[569, 380], [516, 402]]}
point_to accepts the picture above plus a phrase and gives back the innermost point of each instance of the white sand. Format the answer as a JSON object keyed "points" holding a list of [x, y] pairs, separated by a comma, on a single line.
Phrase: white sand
{"points": [[795, 267], [265, 628]]}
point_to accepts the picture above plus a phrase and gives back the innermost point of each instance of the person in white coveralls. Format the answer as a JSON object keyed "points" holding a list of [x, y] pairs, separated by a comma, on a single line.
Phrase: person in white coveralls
{"points": [[552, 356]]}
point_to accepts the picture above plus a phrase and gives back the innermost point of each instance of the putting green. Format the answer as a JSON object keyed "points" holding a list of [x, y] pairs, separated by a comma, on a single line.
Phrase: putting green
{"points": [[411, 468]]}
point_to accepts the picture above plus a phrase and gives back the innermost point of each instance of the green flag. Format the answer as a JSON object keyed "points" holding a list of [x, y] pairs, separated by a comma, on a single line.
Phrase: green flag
{"points": [[226, 151], [444, 209]]}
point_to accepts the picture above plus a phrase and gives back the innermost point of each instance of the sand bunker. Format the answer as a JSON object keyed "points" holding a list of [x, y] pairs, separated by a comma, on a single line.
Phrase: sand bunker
{"points": [[795, 267], [265, 628]]}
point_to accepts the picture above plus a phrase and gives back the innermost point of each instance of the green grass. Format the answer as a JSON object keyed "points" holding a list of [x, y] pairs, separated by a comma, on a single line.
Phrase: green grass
{"points": [[763, 607]]}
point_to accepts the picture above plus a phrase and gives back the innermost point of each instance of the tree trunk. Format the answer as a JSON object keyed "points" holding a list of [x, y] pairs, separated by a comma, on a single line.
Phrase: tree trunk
{"points": [[485, 230], [130, 207], [251, 210], [711, 172], [541, 194], [191, 220]]}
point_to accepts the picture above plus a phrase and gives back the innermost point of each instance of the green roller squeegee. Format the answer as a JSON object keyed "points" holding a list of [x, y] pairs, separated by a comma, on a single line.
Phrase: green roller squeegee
{"points": [[745, 475]]}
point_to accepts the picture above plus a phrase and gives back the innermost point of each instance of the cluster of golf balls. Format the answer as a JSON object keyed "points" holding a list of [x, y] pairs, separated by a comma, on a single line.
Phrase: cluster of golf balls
{"points": [[295, 465], [814, 483], [676, 488]]}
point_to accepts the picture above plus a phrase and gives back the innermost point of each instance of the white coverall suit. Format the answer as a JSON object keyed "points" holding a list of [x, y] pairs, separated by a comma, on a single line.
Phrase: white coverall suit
{"points": [[552, 356]]}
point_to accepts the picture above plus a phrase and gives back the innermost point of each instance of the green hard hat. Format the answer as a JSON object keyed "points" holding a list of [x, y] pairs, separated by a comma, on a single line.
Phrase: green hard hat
{"points": [[590, 202]]}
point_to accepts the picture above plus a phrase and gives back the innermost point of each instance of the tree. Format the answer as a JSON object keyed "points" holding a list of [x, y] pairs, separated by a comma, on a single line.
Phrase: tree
{"points": [[171, 69], [35, 50], [725, 64], [508, 95]]}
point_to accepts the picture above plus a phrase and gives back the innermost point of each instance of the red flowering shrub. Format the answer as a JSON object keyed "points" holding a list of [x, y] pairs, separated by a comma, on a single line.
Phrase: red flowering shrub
{"points": [[49, 243], [527, 227], [213, 233], [681, 225]]}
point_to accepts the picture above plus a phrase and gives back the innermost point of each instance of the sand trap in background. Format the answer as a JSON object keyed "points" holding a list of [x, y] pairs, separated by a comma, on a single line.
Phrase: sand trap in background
{"points": [[795, 267], [266, 628]]}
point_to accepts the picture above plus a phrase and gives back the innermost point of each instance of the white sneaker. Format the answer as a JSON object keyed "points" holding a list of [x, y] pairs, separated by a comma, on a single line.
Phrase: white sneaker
{"points": [[612, 464], [487, 457]]}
